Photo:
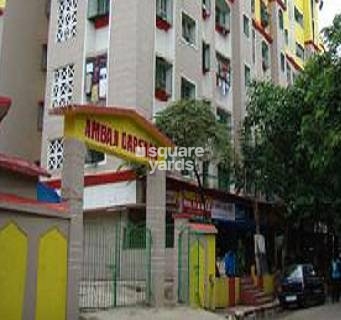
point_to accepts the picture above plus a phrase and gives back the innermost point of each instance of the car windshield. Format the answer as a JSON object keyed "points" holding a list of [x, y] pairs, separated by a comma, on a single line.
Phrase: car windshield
{"points": [[308, 270], [294, 272]]}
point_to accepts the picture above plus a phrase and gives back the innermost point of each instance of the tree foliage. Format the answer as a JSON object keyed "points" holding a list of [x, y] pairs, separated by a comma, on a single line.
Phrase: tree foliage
{"points": [[292, 137], [192, 123]]}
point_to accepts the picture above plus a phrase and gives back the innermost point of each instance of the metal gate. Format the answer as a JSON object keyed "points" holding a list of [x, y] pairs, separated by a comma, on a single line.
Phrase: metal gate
{"points": [[183, 265], [116, 265], [191, 268]]}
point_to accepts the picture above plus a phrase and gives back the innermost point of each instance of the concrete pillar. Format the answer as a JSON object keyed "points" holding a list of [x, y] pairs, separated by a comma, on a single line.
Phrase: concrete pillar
{"points": [[156, 222], [180, 224], [72, 192]]}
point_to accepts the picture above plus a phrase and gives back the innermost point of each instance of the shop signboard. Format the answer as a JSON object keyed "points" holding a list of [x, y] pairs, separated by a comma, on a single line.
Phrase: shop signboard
{"points": [[191, 203], [115, 131], [223, 211]]}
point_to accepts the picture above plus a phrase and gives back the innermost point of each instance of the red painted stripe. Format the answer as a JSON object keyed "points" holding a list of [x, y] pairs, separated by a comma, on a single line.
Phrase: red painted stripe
{"points": [[13, 199], [232, 291], [293, 62], [265, 34], [101, 22], [311, 43], [182, 216], [99, 179], [200, 227]]}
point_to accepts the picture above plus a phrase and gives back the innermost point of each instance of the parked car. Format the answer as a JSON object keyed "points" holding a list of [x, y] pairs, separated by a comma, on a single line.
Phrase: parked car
{"points": [[301, 286]]}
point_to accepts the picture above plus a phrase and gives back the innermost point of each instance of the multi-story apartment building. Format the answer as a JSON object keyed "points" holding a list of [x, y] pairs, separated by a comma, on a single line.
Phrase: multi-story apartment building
{"points": [[146, 54], [23, 41]]}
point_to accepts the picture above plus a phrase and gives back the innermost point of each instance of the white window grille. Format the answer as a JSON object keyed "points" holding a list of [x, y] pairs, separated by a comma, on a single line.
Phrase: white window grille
{"points": [[63, 83], [67, 19], [55, 154]]}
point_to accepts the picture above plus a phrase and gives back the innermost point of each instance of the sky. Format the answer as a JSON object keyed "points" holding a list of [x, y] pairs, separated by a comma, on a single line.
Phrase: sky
{"points": [[329, 10]]}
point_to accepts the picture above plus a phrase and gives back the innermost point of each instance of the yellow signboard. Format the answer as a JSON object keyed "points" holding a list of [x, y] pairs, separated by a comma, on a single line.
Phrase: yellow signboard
{"points": [[117, 131]]}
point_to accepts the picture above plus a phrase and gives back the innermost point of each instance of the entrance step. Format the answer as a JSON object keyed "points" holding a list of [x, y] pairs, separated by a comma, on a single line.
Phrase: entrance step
{"points": [[251, 295]]}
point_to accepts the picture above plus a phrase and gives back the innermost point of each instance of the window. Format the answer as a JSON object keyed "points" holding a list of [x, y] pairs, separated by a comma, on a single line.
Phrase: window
{"points": [[206, 8], [253, 6], [98, 8], [187, 89], [288, 74], [265, 56], [67, 20], [62, 88], [286, 36], [224, 117], [55, 154], [223, 74], [96, 79], [223, 178], [298, 17], [308, 270], [163, 79], [206, 57], [164, 11], [188, 29], [293, 272], [44, 57], [222, 17], [264, 15], [205, 173], [247, 76], [299, 51], [169, 230], [47, 8], [282, 62], [246, 26], [253, 46], [40, 117], [280, 19], [94, 157]]}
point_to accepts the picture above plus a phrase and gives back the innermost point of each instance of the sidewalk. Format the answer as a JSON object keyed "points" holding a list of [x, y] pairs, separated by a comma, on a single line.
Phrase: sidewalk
{"points": [[253, 312], [175, 313], [184, 313]]}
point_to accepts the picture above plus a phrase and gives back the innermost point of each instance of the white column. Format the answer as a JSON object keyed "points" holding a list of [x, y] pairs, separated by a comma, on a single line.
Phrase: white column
{"points": [[156, 222], [72, 192]]}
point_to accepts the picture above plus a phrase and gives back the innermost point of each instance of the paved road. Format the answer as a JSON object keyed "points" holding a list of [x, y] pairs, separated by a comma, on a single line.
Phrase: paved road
{"points": [[326, 312]]}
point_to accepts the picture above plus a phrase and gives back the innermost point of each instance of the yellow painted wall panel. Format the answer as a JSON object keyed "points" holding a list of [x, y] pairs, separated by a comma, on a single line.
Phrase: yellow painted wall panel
{"points": [[13, 262], [237, 290], [307, 13], [269, 284], [197, 274], [299, 34], [2, 3], [52, 277], [221, 293], [211, 263]]}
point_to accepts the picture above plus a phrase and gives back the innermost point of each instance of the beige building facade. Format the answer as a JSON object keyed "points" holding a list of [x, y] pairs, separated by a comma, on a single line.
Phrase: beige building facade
{"points": [[22, 76]]}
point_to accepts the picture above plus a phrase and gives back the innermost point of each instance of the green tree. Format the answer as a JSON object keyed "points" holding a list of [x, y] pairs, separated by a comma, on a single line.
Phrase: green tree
{"points": [[192, 123], [291, 139]]}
